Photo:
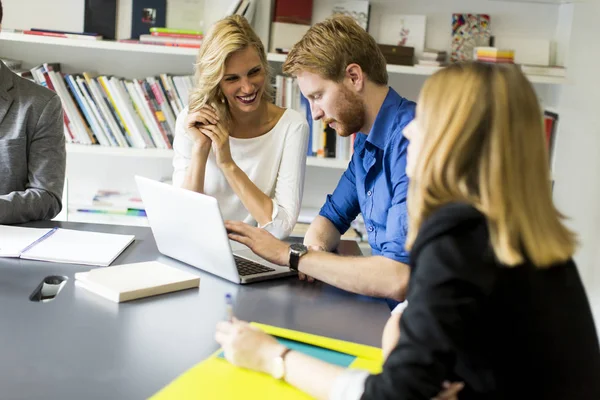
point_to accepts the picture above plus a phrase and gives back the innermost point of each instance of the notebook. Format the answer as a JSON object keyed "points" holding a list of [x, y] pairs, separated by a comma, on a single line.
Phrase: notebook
{"points": [[216, 378], [62, 245], [134, 281]]}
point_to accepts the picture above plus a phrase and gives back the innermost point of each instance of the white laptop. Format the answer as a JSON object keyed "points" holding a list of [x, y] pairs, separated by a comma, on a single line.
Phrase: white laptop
{"points": [[188, 226]]}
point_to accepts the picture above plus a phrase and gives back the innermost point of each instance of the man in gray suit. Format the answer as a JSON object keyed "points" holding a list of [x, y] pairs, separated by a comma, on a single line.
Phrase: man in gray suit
{"points": [[32, 149]]}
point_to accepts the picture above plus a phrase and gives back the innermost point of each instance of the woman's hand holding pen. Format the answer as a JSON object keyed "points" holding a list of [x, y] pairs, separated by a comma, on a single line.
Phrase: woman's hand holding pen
{"points": [[247, 346], [196, 120]]}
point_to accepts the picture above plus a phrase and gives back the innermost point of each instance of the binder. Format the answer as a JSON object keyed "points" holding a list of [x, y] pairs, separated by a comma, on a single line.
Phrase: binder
{"points": [[62, 245], [216, 378]]}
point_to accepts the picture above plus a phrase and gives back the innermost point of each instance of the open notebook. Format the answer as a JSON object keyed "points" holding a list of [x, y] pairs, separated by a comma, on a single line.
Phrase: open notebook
{"points": [[62, 245], [134, 281]]}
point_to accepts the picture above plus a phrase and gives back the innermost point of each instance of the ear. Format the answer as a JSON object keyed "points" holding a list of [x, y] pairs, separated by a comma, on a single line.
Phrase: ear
{"points": [[355, 76]]}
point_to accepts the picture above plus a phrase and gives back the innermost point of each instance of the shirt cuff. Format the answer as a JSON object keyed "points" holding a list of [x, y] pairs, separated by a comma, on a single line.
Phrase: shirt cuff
{"points": [[350, 385], [273, 215], [400, 307], [404, 259]]}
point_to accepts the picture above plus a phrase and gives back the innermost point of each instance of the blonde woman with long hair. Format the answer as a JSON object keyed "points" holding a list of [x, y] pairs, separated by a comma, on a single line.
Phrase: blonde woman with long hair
{"points": [[495, 299], [231, 142]]}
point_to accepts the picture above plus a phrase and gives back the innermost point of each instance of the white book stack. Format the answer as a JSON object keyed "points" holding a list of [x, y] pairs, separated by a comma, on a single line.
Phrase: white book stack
{"points": [[433, 58], [134, 281]]}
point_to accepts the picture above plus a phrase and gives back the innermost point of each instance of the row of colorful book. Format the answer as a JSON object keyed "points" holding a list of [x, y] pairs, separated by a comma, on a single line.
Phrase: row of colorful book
{"points": [[117, 112], [323, 140]]}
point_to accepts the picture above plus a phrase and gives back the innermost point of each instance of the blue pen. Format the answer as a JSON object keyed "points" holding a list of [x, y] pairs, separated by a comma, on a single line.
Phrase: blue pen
{"points": [[229, 307], [46, 236]]}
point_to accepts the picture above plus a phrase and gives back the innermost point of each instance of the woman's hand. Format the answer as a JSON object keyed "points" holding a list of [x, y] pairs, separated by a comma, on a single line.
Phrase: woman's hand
{"points": [[196, 120], [247, 346], [220, 144]]}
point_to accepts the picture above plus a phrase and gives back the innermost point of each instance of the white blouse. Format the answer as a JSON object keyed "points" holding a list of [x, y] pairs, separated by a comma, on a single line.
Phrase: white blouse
{"points": [[275, 162]]}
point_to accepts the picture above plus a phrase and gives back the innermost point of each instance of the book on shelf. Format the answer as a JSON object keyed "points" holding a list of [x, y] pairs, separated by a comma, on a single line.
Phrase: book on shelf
{"points": [[468, 32], [185, 14], [63, 34], [175, 31], [293, 11], [550, 129], [100, 16], [62, 245], [153, 38], [358, 9], [128, 282], [245, 8], [117, 112], [147, 14]]}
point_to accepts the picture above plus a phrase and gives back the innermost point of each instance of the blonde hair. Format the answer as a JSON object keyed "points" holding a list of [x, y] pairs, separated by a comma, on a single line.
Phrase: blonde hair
{"points": [[483, 145], [330, 46], [225, 37]]}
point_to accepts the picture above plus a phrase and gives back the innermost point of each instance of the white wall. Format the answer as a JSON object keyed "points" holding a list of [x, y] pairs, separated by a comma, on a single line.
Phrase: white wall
{"points": [[577, 163]]}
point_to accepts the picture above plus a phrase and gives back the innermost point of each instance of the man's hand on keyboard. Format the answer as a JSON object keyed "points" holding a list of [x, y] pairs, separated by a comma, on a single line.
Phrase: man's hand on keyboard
{"points": [[261, 242]]}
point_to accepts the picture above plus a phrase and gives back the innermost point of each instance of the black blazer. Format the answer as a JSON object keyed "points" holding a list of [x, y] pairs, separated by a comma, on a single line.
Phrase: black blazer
{"points": [[507, 333]]}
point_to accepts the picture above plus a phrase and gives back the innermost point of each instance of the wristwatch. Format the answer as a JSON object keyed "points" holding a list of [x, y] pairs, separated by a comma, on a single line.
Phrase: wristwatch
{"points": [[278, 371], [297, 250]]}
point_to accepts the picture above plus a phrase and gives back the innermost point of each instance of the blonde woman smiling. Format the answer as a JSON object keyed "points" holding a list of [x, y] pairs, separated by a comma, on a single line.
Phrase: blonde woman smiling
{"points": [[233, 143]]}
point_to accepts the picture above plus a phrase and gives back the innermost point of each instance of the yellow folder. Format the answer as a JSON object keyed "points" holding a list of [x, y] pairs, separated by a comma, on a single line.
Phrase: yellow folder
{"points": [[216, 378]]}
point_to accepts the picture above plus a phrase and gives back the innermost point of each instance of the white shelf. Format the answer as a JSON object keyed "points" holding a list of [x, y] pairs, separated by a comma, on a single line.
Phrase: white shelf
{"points": [[97, 44], [168, 154], [427, 70], [118, 151], [154, 49]]}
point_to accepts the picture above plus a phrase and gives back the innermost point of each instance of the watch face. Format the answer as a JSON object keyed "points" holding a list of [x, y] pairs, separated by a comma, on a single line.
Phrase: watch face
{"points": [[298, 248]]}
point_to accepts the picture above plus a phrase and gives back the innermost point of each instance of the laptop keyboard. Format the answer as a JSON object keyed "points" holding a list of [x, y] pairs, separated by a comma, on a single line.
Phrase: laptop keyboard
{"points": [[247, 267]]}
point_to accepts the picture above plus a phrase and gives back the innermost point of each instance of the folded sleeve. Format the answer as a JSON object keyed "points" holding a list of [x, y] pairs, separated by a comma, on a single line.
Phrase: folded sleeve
{"points": [[342, 207]]}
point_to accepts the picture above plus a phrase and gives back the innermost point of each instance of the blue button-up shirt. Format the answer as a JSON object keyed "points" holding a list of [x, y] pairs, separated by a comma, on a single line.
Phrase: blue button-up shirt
{"points": [[375, 183]]}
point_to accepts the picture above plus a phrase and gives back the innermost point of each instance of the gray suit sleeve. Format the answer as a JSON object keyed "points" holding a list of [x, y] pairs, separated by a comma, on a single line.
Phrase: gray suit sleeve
{"points": [[46, 161]]}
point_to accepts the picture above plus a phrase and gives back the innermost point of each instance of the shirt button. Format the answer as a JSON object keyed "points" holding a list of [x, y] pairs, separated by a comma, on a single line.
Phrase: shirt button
{"points": [[371, 229], [369, 193]]}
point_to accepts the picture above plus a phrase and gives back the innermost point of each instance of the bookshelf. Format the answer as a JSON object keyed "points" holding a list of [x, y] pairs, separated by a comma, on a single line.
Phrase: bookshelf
{"points": [[92, 167], [97, 44], [182, 51]]}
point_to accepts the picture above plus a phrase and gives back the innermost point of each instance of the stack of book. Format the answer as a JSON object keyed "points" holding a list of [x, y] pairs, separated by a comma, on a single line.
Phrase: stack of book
{"points": [[117, 112], [433, 58], [63, 34], [494, 55], [173, 37]]}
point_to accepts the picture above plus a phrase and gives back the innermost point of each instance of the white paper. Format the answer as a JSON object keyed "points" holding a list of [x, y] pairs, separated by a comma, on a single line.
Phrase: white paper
{"points": [[80, 247], [14, 239]]}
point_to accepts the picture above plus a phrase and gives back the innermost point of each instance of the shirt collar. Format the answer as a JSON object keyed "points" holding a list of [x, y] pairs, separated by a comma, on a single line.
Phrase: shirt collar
{"points": [[385, 119]]}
